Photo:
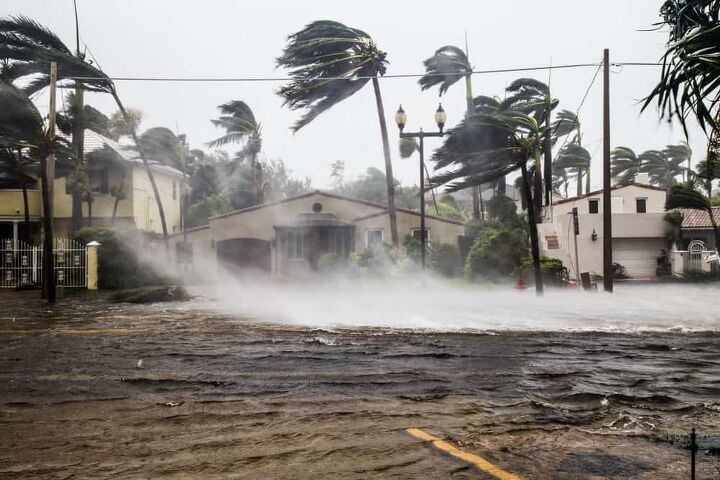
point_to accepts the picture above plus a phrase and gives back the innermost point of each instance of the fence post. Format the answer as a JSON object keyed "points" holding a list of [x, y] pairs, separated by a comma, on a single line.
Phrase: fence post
{"points": [[92, 265]]}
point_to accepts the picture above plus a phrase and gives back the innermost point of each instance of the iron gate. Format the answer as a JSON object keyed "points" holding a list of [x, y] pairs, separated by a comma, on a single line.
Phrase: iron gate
{"points": [[695, 256], [21, 263]]}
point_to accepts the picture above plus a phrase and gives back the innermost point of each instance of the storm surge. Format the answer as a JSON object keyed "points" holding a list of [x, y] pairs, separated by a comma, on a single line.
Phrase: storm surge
{"points": [[438, 305]]}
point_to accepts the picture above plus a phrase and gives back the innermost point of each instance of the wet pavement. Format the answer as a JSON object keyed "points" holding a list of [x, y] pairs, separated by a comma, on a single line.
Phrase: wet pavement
{"points": [[217, 395]]}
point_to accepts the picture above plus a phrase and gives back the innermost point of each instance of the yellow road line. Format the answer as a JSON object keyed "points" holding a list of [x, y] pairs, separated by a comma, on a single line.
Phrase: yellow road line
{"points": [[479, 462]]}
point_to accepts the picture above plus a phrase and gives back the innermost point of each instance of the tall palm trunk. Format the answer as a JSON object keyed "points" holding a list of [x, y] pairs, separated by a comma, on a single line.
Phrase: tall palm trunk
{"points": [[256, 179], [150, 175], [537, 190], [547, 147], [388, 163], [78, 141], [476, 208], [587, 179], [118, 194], [534, 241], [579, 181]]}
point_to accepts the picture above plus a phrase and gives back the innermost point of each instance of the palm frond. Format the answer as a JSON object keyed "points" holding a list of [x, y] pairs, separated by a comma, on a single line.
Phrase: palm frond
{"points": [[447, 65], [328, 62]]}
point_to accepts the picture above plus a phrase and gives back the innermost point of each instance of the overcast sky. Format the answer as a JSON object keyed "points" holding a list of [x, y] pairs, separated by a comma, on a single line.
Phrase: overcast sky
{"points": [[234, 38]]}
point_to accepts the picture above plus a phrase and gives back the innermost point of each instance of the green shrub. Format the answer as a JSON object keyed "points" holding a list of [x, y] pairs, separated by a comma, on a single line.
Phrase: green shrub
{"points": [[118, 264], [553, 270], [497, 252], [445, 259]]}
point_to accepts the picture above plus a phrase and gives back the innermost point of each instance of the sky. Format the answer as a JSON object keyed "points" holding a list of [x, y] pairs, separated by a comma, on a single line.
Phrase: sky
{"points": [[242, 38]]}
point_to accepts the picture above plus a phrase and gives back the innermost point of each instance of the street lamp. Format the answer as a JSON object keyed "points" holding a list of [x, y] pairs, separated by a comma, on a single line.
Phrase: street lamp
{"points": [[401, 120]]}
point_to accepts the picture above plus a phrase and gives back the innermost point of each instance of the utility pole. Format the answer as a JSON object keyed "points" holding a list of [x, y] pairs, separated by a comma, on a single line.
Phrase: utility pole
{"points": [[576, 232], [48, 173], [607, 204]]}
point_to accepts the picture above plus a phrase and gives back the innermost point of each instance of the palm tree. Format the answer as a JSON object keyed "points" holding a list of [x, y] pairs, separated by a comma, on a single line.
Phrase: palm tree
{"points": [[574, 158], [17, 169], [532, 97], [681, 153], [685, 196], [565, 123], [690, 78], [30, 48], [328, 63], [661, 168], [484, 147], [240, 125], [447, 66], [625, 164]]}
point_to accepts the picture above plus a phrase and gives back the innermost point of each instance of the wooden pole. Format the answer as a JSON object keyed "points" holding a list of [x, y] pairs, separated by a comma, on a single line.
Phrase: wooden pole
{"points": [[607, 204], [48, 180]]}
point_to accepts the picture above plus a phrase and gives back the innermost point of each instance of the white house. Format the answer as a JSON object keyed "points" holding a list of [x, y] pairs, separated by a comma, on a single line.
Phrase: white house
{"points": [[638, 225]]}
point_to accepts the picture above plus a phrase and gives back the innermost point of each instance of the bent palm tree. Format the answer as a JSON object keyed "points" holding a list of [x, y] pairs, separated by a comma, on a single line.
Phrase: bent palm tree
{"points": [[661, 168], [30, 48], [625, 164], [484, 147], [329, 62], [689, 83], [532, 97], [681, 153], [447, 66], [574, 158], [565, 123], [240, 125], [685, 196]]}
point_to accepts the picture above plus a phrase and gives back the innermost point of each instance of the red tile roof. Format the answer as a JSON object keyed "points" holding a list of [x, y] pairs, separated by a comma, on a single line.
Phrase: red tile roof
{"points": [[698, 219]]}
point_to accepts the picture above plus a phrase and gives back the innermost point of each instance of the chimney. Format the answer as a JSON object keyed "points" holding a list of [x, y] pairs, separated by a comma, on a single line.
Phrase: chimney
{"points": [[642, 178]]}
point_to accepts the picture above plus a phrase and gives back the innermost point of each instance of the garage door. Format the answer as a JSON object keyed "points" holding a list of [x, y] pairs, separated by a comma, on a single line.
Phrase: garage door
{"points": [[638, 255], [243, 254]]}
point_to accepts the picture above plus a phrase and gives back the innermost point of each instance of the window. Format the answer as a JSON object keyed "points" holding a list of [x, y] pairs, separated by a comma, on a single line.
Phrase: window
{"points": [[416, 234], [594, 205], [641, 205], [294, 246], [374, 238], [174, 190]]}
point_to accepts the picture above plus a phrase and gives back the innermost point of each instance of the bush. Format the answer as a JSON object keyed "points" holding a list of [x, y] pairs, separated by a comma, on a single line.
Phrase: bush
{"points": [[553, 270], [445, 259], [118, 264], [497, 252]]}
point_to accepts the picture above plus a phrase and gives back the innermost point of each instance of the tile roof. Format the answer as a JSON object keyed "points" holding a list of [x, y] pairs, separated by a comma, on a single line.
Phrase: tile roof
{"points": [[698, 219]]}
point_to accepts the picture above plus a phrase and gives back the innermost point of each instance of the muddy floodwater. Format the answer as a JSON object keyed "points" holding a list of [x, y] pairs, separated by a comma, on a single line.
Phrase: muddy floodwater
{"points": [[90, 389]]}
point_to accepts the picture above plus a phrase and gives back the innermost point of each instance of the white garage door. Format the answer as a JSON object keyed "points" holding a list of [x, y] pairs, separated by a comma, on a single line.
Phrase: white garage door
{"points": [[638, 255]]}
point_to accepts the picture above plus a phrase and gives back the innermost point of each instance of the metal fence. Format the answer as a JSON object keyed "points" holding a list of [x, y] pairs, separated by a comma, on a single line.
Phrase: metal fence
{"points": [[21, 263]]}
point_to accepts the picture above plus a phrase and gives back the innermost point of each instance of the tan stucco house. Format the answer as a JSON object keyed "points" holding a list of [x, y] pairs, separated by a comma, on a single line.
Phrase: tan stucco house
{"points": [[110, 167], [295, 235], [638, 211]]}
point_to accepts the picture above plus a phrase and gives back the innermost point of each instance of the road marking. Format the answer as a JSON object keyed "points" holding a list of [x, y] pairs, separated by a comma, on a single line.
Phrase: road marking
{"points": [[479, 462]]}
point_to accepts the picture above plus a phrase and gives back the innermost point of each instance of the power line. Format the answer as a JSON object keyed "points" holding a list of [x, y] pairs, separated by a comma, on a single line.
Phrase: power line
{"points": [[406, 75]]}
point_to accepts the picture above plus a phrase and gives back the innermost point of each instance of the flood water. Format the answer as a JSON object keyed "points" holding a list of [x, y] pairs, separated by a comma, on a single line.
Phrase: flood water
{"points": [[238, 386]]}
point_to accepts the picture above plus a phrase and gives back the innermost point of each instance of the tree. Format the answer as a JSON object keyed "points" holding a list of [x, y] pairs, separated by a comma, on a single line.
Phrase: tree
{"points": [[484, 147], [240, 126], [31, 47], [679, 154], [690, 78], [16, 170], [574, 158], [625, 164], [685, 196], [532, 97], [328, 63], [661, 167], [448, 65]]}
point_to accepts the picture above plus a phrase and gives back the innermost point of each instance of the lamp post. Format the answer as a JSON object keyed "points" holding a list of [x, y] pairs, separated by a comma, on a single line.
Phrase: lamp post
{"points": [[401, 120]]}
